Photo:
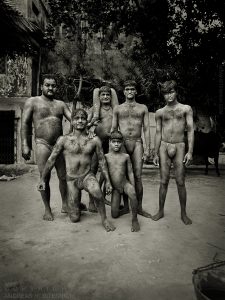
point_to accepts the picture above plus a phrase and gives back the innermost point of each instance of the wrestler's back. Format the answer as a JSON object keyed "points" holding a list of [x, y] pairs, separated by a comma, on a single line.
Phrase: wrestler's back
{"points": [[130, 120], [117, 166], [78, 154], [47, 119], [173, 123]]}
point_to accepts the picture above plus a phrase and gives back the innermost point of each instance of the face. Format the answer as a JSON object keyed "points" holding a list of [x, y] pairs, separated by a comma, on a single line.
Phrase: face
{"points": [[79, 121], [170, 96], [130, 92], [116, 145], [49, 88], [105, 97]]}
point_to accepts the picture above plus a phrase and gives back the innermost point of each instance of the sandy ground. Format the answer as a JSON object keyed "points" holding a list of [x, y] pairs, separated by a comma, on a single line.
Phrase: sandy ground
{"points": [[61, 260]]}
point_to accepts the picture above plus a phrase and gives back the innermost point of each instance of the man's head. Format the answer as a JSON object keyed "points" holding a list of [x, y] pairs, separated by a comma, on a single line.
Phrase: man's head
{"points": [[105, 94], [168, 90], [116, 140], [130, 89], [48, 85], [79, 119]]}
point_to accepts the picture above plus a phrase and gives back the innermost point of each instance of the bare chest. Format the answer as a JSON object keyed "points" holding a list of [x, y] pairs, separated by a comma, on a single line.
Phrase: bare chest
{"points": [[80, 146], [50, 109], [173, 114], [131, 112]]}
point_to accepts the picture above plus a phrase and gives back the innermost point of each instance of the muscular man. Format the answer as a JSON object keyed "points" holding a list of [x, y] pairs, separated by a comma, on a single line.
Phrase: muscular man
{"points": [[97, 104], [171, 122], [46, 114], [122, 179], [101, 125], [131, 117], [77, 149]]}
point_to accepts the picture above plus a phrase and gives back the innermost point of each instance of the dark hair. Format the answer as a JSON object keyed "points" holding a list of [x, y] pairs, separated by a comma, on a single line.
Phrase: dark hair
{"points": [[167, 86], [48, 76], [130, 83], [116, 135], [105, 89], [76, 111]]}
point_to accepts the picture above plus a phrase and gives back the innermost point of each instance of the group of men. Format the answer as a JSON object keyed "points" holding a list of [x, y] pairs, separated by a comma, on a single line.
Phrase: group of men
{"points": [[116, 147]]}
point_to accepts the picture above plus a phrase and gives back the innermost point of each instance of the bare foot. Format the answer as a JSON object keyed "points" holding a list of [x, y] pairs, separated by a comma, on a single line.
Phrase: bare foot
{"points": [[64, 209], [108, 226], [185, 219], [74, 217], [107, 202], [135, 226], [158, 216], [144, 213], [83, 207], [92, 208], [48, 216]]}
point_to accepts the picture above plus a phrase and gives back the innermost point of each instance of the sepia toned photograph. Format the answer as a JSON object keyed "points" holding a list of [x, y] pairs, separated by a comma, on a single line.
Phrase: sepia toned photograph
{"points": [[112, 149]]}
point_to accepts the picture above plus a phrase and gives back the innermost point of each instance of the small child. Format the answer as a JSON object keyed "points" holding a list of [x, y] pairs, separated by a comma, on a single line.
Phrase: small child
{"points": [[119, 167]]}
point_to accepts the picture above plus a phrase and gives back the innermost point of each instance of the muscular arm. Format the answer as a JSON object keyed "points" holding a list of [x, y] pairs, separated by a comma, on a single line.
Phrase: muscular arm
{"points": [[114, 99], [190, 129], [130, 171], [97, 104], [52, 158], [115, 119], [26, 128], [146, 129], [66, 112], [158, 134]]}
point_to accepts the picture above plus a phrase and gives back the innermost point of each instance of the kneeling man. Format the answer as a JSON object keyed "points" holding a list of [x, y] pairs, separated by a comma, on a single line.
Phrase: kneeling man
{"points": [[78, 149]]}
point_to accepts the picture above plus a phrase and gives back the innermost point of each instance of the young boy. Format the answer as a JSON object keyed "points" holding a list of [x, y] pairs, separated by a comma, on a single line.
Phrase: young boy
{"points": [[119, 165]]}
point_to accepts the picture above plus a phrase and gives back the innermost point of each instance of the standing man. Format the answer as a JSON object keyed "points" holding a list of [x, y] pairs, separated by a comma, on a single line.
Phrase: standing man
{"points": [[130, 117], [101, 126], [77, 149], [171, 122], [47, 114]]}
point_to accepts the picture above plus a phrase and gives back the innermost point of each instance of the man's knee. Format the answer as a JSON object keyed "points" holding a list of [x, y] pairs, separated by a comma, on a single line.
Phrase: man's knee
{"points": [[180, 182], [95, 192], [164, 181]]}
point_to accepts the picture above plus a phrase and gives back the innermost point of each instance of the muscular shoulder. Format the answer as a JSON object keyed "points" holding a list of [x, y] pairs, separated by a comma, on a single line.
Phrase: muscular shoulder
{"points": [[142, 107], [159, 112], [31, 101], [60, 102], [186, 108]]}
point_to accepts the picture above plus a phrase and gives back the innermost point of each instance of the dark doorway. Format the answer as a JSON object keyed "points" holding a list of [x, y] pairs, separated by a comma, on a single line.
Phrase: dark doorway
{"points": [[7, 137]]}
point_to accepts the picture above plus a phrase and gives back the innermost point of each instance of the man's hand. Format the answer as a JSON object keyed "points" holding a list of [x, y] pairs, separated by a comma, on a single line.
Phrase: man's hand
{"points": [[26, 153], [156, 160], [108, 188], [41, 186], [187, 159]]}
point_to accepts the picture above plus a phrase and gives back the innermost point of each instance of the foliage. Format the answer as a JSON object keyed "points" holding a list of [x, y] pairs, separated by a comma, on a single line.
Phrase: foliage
{"points": [[180, 38]]}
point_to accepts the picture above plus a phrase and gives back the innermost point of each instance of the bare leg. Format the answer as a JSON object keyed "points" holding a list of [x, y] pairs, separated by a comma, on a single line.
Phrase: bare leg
{"points": [[74, 197], [180, 180], [61, 173], [91, 185], [115, 204], [130, 191], [94, 168], [42, 154], [165, 164], [137, 163]]}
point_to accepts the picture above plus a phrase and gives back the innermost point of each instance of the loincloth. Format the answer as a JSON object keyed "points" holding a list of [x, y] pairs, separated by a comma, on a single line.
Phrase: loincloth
{"points": [[137, 140], [171, 148], [81, 181], [44, 142]]}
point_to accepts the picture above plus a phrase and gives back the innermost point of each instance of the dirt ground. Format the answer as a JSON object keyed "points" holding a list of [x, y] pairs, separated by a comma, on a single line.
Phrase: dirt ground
{"points": [[61, 260]]}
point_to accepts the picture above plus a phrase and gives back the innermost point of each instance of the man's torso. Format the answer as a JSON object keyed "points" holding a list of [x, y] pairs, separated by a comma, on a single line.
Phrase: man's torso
{"points": [[78, 153], [130, 119], [173, 123], [47, 119]]}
